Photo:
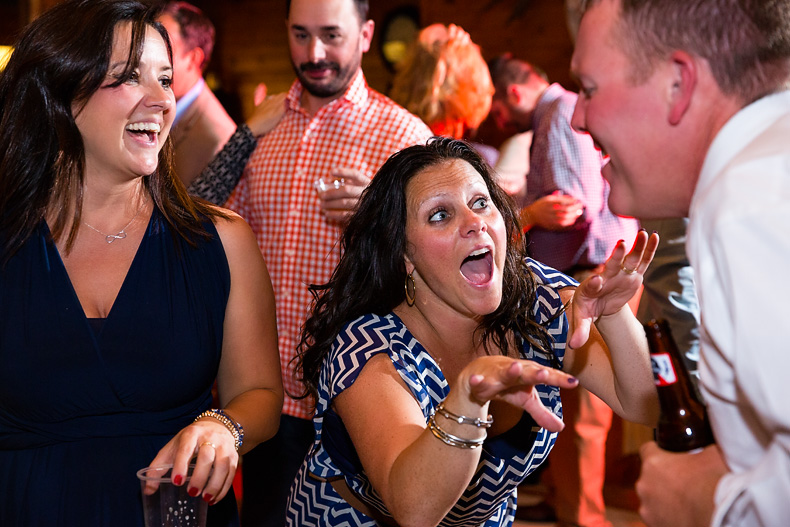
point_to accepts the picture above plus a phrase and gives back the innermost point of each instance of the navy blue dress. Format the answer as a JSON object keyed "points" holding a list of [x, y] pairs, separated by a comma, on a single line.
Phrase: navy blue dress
{"points": [[83, 407]]}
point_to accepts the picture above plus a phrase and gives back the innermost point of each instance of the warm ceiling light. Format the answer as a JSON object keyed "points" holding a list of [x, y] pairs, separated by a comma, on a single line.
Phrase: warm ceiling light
{"points": [[5, 52]]}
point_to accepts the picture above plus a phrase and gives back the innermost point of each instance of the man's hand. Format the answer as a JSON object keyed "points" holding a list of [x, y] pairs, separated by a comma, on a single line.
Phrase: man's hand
{"points": [[554, 212], [677, 489], [339, 193]]}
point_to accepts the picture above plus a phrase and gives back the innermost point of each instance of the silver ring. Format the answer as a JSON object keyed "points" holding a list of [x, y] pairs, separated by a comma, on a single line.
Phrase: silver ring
{"points": [[627, 270]]}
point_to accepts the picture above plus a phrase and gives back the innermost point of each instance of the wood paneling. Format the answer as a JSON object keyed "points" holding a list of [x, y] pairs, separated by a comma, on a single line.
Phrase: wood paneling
{"points": [[532, 30], [252, 46]]}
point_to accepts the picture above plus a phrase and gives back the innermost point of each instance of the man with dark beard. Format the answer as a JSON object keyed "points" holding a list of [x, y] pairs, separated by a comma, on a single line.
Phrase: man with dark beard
{"points": [[301, 180]]}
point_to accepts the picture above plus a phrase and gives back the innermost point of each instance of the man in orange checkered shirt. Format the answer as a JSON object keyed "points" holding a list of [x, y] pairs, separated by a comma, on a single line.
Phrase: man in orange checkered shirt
{"points": [[302, 179]]}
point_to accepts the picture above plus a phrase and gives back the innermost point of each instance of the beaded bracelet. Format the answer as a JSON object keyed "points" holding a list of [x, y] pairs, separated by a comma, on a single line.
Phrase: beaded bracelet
{"points": [[464, 420], [451, 439], [233, 427]]}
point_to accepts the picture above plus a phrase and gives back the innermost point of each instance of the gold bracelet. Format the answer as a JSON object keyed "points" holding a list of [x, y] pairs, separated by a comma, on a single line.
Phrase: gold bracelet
{"points": [[236, 430]]}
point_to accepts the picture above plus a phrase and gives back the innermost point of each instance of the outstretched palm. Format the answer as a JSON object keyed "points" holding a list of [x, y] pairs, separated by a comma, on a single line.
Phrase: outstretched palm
{"points": [[606, 293], [513, 381]]}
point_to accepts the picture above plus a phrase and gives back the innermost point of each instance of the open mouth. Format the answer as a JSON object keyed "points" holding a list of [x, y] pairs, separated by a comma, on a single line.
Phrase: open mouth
{"points": [[148, 131], [478, 267]]}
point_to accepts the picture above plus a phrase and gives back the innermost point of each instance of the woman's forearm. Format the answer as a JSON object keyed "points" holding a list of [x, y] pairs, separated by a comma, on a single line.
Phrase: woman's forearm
{"points": [[258, 411], [633, 377], [217, 181], [429, 477]]}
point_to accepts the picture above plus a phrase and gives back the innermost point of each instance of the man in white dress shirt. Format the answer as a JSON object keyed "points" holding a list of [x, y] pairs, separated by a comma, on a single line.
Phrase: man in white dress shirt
{"points": [[690, 101]]}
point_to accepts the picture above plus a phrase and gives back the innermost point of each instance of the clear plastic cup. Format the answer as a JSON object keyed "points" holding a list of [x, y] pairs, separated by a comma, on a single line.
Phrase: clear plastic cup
{"points": [[170, 505], [323, 186]]}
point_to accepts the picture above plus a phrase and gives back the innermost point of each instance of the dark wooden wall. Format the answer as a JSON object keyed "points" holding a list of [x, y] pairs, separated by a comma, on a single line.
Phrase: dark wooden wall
{"points": [[252, 46]]}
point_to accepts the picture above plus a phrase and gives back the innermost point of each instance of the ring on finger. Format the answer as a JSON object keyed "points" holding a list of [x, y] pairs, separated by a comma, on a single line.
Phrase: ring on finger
{"points": [[209, 443], [626, 270]]}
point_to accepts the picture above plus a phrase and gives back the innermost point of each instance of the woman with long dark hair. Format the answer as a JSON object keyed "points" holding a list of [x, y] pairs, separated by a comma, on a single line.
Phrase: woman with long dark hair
{"points": [[121, 298], [436, 351]]}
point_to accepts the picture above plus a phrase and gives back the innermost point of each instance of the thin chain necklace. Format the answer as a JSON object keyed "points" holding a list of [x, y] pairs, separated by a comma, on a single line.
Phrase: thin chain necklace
{"points": [[120, 235]]}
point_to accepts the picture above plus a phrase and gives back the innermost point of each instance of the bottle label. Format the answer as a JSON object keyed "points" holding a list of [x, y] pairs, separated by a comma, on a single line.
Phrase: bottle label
{"points": [[663, 372]]}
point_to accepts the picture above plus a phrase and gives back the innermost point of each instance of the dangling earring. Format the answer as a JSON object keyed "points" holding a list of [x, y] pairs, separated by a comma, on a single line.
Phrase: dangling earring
{"points": [[410, 295]]}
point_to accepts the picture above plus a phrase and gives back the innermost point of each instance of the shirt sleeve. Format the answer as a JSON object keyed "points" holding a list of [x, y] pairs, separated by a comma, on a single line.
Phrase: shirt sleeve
{"points": [[574, 163], [749, 246], [757, 497], [217, 181], [409, 130]]}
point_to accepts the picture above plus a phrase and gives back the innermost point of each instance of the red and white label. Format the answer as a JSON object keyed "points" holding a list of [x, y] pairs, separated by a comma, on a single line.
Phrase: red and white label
{"points": [[663, 372]]}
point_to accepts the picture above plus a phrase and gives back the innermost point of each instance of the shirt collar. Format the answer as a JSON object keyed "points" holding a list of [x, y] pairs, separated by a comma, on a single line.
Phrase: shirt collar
{"points": [[742, 129], [183, 104], [552, 92]]}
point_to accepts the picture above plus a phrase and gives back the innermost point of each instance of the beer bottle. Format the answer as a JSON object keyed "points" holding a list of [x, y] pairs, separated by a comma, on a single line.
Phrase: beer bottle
{"points": [[683, 423]]}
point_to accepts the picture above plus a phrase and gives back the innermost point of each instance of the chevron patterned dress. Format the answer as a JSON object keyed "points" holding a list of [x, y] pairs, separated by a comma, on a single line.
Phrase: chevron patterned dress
{"points": [[506, 460]]}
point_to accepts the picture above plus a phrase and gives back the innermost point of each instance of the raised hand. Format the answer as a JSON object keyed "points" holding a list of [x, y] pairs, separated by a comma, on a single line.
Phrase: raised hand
{"points": [[513, 381], [606, 293]]}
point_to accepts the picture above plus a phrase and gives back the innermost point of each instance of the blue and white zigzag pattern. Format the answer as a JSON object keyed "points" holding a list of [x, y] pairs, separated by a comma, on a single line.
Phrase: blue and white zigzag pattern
{"points": [[490, 498]]}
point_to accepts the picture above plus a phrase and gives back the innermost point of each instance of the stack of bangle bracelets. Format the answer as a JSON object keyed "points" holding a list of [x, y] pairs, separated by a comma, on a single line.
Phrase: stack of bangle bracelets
{"points": [[454, 440], [233, 427]]}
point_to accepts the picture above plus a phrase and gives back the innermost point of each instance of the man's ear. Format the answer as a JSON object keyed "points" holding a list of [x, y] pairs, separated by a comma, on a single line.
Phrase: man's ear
{"points": [[514, 95], [366, 35], [684, 82], [196, 58]]}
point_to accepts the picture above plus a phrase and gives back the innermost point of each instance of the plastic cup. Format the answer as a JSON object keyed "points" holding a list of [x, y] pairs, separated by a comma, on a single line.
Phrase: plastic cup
{"points": [[170, 505], [323, 186]]}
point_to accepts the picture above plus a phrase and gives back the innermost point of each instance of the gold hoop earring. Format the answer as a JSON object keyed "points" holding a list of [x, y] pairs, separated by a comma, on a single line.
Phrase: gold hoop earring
{"points": [[410, 295]]}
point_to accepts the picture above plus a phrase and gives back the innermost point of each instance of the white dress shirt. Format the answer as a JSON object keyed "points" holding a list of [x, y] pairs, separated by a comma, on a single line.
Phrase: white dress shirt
{"points": [[739, 245]]}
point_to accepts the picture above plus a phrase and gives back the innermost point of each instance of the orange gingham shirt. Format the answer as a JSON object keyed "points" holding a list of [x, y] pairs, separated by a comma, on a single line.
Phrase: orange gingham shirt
{"points": [[277, 197]]}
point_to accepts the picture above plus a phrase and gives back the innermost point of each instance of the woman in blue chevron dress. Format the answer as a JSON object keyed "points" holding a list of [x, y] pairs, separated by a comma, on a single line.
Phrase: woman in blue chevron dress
{"points": [[436, 352]]}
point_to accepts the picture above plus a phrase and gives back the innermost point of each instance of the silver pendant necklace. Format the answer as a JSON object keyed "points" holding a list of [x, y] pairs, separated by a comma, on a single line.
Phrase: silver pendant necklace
{"points": [[120, 235]]}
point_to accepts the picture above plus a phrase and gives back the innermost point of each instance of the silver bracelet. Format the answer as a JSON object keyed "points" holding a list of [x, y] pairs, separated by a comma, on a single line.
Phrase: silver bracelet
{"points": [[464, 420], [452, 440]]}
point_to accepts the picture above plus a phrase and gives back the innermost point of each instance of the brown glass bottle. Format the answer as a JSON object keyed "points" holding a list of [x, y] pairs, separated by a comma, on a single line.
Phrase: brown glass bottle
{"points": [[683, 424]]}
